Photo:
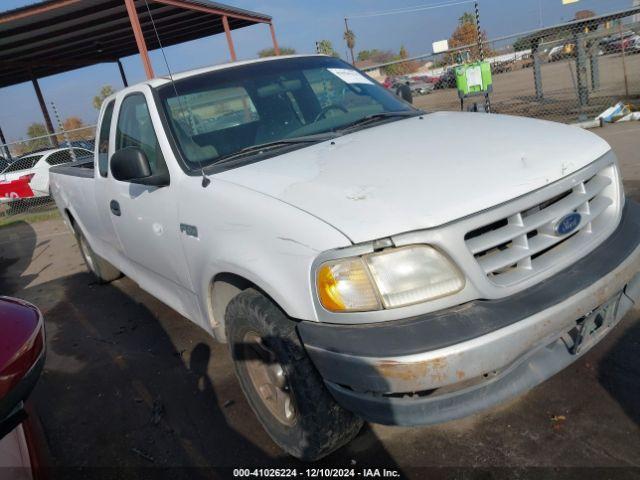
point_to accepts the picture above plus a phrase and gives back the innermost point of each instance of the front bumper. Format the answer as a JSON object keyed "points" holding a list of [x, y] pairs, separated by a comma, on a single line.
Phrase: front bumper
{"points": [[453, 363]]}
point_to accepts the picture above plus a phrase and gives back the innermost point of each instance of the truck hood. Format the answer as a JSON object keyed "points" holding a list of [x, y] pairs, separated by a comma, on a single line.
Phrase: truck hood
{"points": [[418, 173]]}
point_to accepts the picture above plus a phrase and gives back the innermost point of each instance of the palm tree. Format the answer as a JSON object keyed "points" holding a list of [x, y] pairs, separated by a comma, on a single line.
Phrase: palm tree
{"points": [[467, 17], [350, 38]]}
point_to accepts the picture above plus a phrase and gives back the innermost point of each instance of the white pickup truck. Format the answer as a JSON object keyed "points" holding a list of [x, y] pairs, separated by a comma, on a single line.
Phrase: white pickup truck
{"points": [[362, 259]]}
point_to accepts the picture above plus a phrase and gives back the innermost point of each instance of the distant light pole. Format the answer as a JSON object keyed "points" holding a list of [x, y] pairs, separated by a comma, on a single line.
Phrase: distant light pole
{"points": [[540, 13]]}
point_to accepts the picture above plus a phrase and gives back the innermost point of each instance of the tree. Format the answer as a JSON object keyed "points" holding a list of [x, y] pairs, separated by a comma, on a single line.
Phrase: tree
{"points": [[325, 47], [71, 125], [523, 43], [105, 91], [37, 130], [467, 34], [405, 68], [350, 38], [39, 135], [364, 55], [584, 14], [386, 56], [271, 52]]}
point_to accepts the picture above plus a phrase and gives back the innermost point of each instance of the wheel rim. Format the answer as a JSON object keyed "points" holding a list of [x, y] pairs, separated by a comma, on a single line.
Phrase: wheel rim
{"points": [[85, 253], [269, 379]]}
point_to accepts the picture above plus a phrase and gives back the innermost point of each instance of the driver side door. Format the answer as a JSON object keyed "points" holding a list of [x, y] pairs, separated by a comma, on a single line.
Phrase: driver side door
{"points": [[145, 217]]}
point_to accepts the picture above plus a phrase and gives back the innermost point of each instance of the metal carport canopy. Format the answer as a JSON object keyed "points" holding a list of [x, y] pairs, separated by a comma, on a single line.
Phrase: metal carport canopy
{"points": [[56, 36]]}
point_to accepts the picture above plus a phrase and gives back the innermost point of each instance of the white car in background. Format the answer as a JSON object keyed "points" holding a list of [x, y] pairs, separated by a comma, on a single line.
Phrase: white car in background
{"points": [[36, 166]]}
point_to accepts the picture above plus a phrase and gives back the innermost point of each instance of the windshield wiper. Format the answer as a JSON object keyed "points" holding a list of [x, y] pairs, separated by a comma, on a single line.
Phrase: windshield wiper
{"points": [[283, 142], [376, 117]]}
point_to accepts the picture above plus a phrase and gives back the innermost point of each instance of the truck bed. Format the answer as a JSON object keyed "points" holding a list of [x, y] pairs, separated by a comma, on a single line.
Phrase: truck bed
{"points": [[80, 168]]}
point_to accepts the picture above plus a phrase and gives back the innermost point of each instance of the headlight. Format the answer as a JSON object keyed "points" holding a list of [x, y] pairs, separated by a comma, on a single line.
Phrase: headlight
{"points": [[388, 279]]}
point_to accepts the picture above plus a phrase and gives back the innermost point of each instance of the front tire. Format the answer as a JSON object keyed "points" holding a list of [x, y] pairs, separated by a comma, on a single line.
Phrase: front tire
{"points": [[101, 269], [281, 384]]}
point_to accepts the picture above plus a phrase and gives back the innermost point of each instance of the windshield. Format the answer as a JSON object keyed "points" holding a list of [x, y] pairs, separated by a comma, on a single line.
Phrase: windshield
{"points": [[218, 114]]}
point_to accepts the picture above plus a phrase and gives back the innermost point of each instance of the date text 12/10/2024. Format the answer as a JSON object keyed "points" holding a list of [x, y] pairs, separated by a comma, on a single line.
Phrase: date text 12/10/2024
{"points": [[315, 473]]}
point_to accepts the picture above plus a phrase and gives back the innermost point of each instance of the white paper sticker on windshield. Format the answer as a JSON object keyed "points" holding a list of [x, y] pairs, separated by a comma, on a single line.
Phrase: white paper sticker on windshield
{"points": [[350, 76]]}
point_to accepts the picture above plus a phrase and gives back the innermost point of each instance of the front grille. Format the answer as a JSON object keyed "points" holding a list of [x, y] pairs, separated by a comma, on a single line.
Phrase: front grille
{"points": [[520, 245]]}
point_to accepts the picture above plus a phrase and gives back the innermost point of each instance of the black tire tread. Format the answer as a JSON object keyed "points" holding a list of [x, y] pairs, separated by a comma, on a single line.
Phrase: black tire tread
{"points": [[323, 425]]}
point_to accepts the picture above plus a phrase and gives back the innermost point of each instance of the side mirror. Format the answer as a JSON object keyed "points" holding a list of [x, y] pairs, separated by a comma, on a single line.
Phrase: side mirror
{"points": [[132, 165]]}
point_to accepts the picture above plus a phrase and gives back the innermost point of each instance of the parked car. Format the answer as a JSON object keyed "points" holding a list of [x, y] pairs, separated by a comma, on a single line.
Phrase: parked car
{"points": [[352, 275], [447, 80], [22, 352], [502, 67], [34, 167], [84, 144], [419, 87], [562, 52], [388, 83], [427, 78], [629, 41]]}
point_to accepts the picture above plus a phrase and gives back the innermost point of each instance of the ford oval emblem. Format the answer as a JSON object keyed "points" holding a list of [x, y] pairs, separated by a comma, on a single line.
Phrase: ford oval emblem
{"points": [[567, 224]]}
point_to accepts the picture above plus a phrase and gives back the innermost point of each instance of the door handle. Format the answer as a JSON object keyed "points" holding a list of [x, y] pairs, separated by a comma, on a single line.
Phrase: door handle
{"points": [[115, 208]]}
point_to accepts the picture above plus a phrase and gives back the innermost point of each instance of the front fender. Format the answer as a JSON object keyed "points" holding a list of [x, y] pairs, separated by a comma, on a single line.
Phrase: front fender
{"points": [[254, 236]]}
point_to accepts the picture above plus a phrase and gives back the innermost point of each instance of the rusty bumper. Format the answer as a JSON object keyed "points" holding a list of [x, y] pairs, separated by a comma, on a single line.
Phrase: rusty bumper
{"points": [[549, 327]]}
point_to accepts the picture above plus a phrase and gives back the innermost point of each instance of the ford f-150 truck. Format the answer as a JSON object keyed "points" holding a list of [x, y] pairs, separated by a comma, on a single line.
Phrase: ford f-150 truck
{"points": [[363, 260]]}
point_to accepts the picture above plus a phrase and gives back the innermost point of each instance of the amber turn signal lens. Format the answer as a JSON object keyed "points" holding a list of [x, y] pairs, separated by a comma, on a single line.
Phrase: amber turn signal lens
{"points": [[345, 286]]}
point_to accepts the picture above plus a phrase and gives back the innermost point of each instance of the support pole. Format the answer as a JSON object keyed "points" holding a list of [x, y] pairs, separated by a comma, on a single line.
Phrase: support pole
{"points": [[227, 32], [5, 147], [122, 74], [45, 113], [276, 48], [537, 70], [594, 63], [581, 71], [487, 101], [624, 64], [139, 36]]}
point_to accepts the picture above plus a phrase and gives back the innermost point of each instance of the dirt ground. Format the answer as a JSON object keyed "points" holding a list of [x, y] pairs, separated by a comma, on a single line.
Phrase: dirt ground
{"points": [[129, 383]]}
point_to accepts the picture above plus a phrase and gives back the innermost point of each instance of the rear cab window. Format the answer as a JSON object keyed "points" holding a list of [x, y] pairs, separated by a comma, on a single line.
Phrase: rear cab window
{"points": [[103, 140]]}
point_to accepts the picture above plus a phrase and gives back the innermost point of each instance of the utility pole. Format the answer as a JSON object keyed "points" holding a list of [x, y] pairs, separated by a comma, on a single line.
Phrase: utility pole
{"points": [[347, 30], [540, 22], [64, 132]]}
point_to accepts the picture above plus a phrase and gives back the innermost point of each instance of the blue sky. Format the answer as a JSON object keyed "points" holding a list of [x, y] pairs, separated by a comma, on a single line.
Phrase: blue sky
{"points": [[298, 23]]}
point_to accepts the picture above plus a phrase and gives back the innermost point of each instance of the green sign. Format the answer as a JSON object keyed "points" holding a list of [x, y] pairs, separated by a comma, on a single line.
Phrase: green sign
{"points": [[474, 79]]}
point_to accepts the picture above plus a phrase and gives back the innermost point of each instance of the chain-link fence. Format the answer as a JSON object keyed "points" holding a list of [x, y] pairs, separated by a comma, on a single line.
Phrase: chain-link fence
{"points": [[568, 73], [24, 170]]}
